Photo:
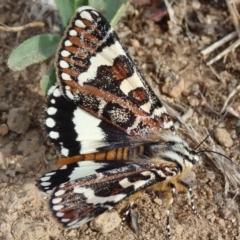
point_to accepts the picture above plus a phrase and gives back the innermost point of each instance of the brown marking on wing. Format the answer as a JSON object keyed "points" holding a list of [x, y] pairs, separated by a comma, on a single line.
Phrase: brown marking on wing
{"points": [[139, 95]]}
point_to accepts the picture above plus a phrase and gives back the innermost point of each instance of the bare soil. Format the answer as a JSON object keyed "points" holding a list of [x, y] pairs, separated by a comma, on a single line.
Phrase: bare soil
{"points": [[169, 56]]}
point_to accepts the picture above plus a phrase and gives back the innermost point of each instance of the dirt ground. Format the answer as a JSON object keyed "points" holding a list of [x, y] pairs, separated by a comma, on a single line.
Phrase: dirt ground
{"points": [[169, 56]]}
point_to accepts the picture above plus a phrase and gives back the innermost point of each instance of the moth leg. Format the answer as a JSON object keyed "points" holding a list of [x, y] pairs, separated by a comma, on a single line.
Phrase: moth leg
{"points": [[134, 221], [126, 214], [132, 213], [190, 197], [170, 202]]}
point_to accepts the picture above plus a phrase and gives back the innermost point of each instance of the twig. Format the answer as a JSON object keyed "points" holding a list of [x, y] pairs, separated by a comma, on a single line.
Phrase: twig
{"points": [[223, 53], [21, 28], [219, 43], [170, 12], [234, 91], [234, 14]]}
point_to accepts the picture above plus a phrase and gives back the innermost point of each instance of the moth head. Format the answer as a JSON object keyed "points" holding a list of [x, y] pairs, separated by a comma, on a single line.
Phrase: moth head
{"points": [[172, 148]]}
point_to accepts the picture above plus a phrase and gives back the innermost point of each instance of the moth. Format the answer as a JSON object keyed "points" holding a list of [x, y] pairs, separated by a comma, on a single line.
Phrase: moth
{"points": [[114, 135]]}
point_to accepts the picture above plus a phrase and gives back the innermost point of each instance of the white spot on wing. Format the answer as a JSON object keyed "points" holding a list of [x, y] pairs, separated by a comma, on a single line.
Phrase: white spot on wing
{"points": [[167, 125], [67, 43], [69, 94], [73, 32], [80, 24], [64, 151], [45, 184], [86, 15], [63, 64], [131, 83], [50, 173], [65, 219], [146, 107], [65, 76], [59, 214], [51, 111], [50, 122], [65, 53], [51, 89], [56, 93], [95, 13], [159, 111], [58, 193], [44, 179], [57, 207], [53, 101], [54, 135]]}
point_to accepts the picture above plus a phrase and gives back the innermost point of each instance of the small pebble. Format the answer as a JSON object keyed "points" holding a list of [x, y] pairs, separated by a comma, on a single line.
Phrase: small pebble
{"points": [[18, 120], [196, 4], [223, 137], [157, 216], [173, 89], [4, 129], [4, 106], [225, 213], [135, 43], [106, 222], [221, 222], [158, 201]]}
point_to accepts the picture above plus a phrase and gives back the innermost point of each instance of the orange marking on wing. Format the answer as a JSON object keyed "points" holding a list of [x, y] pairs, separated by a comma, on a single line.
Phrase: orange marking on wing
{"points": [[70, 72], [86, 48], [120, 70], [74, 62], [91, 38], [139, 95], [73, 49], [87, 23]]}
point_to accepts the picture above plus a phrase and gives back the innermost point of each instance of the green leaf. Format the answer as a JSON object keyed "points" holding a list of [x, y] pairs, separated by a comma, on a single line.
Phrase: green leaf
{"points": [[118, 15], [34, 50], [66, 10], [48, 80], [112, 10]]}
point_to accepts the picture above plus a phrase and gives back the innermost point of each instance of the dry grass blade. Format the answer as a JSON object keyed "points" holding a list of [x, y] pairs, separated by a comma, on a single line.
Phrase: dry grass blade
{"points": [[170, 12], [219, 43], [232, 8], [21, 28], [235, 90], [224, 53]]}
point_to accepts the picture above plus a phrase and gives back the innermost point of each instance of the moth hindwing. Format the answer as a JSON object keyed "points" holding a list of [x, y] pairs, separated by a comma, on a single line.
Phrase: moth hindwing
{"points": [[103, 110]]}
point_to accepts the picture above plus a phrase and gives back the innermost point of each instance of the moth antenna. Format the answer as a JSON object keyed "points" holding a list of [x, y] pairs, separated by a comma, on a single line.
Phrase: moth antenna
{"points": [[212, 131], [211, 151]]}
